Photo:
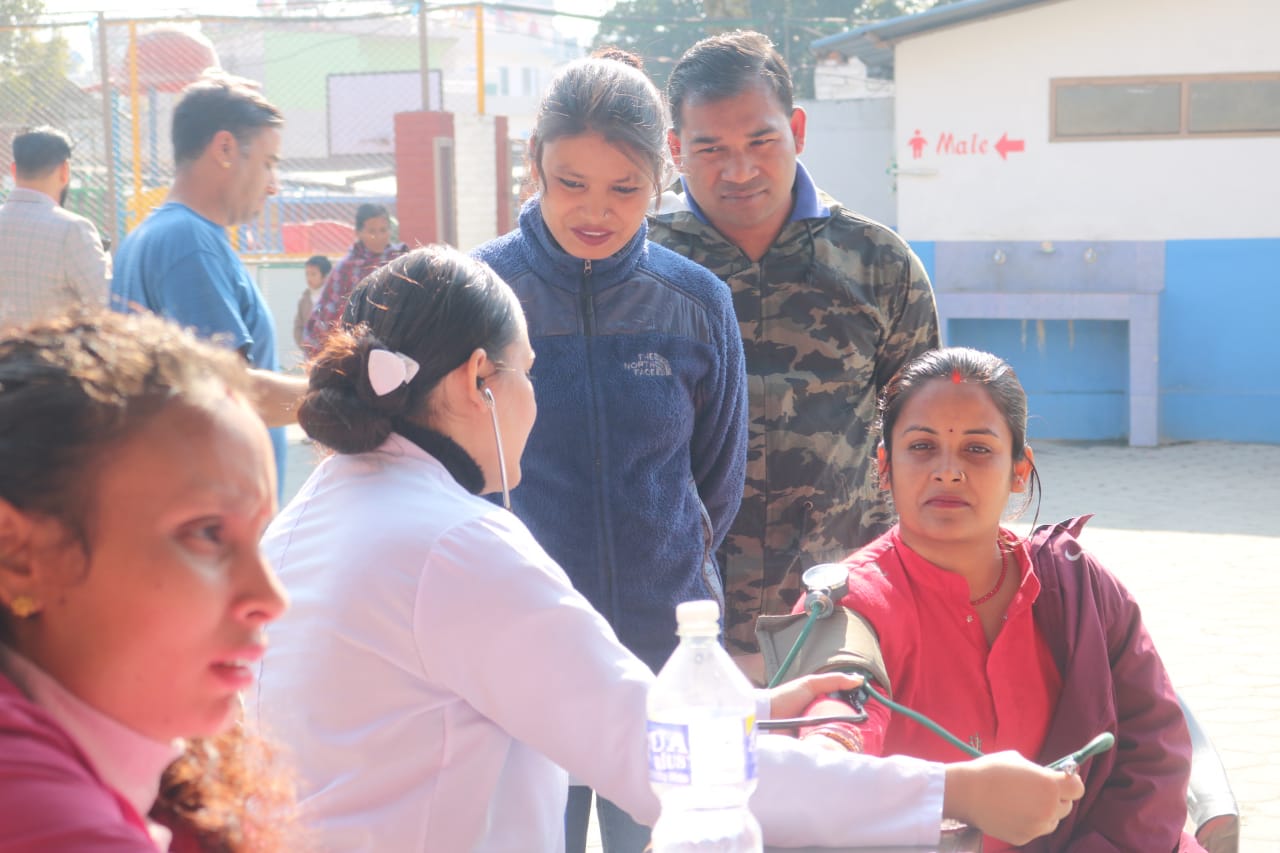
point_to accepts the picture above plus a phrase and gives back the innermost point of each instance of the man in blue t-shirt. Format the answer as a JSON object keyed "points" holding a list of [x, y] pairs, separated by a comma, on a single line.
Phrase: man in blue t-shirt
{"points": [[179, 262]]}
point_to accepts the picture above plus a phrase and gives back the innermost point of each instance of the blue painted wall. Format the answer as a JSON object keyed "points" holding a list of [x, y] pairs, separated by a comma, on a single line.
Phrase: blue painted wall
{"points": [[1220, 341], [925, 252], [1219, 351], [1076, 373]]}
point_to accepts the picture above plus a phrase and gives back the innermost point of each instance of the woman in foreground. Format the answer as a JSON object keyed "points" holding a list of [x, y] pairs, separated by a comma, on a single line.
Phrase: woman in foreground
{"points": [[1011, 643], [135, 482]]}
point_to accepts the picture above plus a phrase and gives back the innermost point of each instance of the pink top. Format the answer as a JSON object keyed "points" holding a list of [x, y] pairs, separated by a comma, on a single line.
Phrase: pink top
{"points": [[70, 776]]}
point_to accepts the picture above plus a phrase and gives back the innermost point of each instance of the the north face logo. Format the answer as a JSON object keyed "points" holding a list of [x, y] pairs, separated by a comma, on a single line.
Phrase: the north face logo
{"points": [[649, 364]]}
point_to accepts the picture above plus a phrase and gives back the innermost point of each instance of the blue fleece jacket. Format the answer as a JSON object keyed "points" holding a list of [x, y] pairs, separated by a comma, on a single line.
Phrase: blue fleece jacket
{"points": [[635, 466]]}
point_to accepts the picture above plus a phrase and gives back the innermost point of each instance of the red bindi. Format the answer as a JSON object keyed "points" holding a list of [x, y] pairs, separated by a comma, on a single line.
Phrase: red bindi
{"points": [[956, 378]]}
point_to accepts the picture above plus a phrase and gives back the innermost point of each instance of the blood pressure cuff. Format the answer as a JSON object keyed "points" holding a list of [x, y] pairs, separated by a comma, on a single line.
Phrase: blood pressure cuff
{"points": [[840, 642]]}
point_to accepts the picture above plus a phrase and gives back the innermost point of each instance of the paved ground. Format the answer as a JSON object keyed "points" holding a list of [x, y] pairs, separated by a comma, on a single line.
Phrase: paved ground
{"points": [[1194, 531]]}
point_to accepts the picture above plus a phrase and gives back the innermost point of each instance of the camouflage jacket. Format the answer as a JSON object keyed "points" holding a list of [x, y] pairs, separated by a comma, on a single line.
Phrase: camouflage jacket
{"points": [[828, 315]]}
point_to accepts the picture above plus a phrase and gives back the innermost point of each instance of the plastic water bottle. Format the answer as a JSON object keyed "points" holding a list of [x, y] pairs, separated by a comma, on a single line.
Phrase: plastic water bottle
{"points": [[702, 743]]}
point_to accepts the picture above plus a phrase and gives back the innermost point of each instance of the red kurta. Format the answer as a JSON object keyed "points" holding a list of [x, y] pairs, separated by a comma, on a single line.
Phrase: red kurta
{"points": [[995, 697], [1110, 677]]}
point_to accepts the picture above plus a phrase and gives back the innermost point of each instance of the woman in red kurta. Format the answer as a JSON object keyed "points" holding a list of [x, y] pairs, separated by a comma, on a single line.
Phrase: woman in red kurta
{"points": [[970, 639]]}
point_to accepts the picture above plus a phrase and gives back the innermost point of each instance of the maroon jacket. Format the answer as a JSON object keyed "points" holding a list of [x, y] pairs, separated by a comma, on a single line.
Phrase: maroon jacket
{"points": [[51, 798], [1112, 680]]}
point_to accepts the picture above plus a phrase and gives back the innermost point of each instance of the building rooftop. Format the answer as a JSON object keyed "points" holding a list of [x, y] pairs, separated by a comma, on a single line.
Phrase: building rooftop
{"points": [[874, 43]]}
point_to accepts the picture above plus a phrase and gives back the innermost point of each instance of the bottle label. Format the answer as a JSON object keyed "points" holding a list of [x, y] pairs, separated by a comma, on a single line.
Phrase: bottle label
{"points": [[711, 751]]}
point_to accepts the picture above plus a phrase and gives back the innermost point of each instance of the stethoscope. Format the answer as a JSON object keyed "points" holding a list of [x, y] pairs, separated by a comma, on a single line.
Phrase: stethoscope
{"points": [[825, 584], [497, 437]]}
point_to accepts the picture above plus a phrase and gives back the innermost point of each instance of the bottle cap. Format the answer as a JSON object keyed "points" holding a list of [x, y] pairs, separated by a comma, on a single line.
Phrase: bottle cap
{"points": [[695, 612]]}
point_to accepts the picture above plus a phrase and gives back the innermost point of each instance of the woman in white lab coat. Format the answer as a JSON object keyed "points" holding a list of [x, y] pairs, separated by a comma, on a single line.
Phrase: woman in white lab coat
{"points": [[438, 674]]}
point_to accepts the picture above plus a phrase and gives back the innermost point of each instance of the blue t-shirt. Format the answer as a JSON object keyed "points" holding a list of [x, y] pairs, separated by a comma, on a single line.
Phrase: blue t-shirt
{"points": [[181, 266]]}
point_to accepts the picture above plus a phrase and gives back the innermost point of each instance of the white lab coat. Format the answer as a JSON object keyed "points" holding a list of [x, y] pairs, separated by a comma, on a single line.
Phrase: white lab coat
{"points": [[437, 670]]}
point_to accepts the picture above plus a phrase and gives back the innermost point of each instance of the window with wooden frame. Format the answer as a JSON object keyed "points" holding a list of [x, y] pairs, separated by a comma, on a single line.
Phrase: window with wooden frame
{"points": [[1164, 107]]}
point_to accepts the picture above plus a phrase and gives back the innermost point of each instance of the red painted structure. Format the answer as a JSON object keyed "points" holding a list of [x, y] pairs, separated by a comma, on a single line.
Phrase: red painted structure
{"points": [[427, 183], [168, 60], [317, 237], [424, 203]]}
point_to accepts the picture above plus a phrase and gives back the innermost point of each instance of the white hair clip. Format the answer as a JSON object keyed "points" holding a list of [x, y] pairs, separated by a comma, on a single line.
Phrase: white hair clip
{"points": [[389, 370]]}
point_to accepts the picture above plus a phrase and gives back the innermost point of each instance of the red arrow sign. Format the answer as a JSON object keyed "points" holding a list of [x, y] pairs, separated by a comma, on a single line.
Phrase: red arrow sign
{"points": [[1005, 145]]}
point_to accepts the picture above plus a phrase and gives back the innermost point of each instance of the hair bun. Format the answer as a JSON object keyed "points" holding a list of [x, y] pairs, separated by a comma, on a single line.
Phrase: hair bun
{"points": [[342, 410], [617, 54]]}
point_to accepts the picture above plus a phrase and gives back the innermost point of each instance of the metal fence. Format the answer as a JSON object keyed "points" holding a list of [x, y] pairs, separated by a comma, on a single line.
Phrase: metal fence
{"points": [[112, 86]]}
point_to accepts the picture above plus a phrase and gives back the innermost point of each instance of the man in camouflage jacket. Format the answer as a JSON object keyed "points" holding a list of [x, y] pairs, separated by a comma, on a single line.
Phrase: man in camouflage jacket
{"points": [[830, 305]]}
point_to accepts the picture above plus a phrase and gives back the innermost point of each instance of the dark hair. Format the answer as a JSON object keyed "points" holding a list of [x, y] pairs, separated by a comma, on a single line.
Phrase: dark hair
{"points": [[72, 389], [434, 305], [216, 103], [721, 66], [608, 94], [40, 150], [968, 365], [368, 211], [320, 262]]}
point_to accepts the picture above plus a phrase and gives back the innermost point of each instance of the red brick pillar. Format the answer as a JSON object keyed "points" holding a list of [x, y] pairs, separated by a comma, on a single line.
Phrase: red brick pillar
{"points": [[424, 203], [502, 163]]}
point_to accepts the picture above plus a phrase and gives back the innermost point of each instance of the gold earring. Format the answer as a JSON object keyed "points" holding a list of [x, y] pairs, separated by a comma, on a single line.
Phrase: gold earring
{"points": [[226, 164], [24, 606]]}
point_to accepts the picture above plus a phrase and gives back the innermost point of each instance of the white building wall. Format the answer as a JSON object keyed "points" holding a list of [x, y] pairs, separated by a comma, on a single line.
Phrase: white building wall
{"points": [[834, 81], [991, 77], [476, 186], [517, 42], [849, 152]]}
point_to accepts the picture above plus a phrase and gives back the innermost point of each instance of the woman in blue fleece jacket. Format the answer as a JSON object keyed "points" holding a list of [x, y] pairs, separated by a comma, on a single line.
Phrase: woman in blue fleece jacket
{"points": [[635, 466]]}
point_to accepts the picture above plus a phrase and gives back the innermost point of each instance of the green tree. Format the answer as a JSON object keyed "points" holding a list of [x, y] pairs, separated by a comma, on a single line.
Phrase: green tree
{"points": [[661, 30], [34, 62]]}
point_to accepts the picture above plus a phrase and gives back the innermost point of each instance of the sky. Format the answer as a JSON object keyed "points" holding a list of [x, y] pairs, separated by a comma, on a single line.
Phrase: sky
{"points": [[150, 8], [155, 8], [79, 38]]}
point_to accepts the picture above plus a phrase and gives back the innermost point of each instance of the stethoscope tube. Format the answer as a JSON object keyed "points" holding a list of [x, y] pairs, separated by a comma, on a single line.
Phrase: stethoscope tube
{"points": [[819, 605]]}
